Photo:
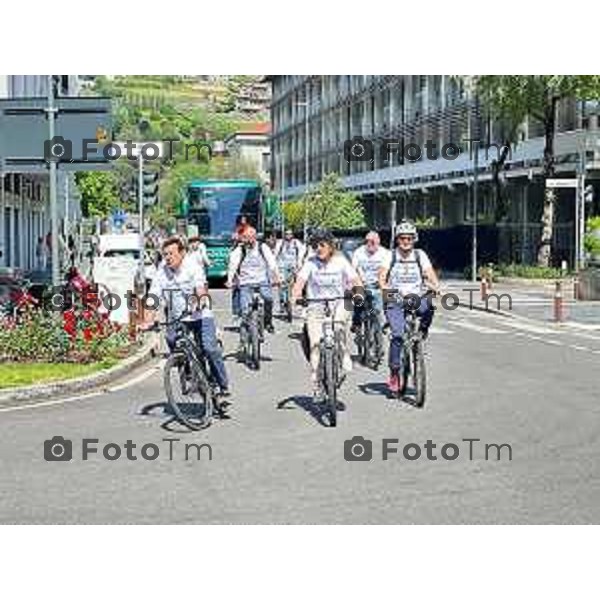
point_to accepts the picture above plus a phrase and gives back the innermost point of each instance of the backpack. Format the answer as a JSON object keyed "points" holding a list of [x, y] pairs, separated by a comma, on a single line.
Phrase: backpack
{"points": [[245, 251], [418, 256]]}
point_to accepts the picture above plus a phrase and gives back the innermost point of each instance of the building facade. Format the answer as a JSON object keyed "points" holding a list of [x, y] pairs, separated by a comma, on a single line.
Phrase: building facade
{"points": [[24, 197], [251, 144], [316, 121]]}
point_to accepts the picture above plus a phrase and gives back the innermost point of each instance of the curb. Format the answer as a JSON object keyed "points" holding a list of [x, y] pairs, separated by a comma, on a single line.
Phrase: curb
{"points": [[80, 384], [573, 325]]}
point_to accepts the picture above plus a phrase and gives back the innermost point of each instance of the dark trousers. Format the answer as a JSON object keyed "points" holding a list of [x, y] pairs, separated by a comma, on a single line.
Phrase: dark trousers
{"points": [[395, 315]]}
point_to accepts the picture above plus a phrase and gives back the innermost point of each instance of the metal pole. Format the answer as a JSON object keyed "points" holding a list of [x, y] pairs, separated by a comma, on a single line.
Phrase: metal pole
{"points": [[282, 195], [2, 205], [306, 169], [393, 222], [582, 211], [475, 179], [141, 207], [51, 110]]}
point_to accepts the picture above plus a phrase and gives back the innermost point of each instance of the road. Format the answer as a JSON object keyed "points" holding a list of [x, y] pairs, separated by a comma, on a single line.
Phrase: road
{"points": [[273, 461]]}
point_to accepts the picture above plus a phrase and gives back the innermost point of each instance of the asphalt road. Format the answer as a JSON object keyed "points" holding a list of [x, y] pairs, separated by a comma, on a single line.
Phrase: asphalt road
{"points": [[273, 461]]}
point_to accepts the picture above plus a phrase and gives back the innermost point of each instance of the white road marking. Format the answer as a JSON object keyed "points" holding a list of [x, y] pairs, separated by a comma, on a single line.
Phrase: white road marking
{"points": [[107, 390], [474, 327]]}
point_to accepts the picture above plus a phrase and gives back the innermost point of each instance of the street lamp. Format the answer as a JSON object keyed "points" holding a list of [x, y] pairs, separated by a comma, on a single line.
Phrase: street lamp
{"points": [[306, 161]]}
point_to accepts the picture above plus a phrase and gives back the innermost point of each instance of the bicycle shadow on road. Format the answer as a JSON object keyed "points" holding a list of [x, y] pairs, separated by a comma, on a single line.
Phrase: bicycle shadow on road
{"points": [[316, 410], [170, 424], [378, 388]]}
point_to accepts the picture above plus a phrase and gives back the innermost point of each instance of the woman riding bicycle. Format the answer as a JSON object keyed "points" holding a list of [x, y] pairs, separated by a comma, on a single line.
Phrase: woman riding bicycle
{"points": [[410, 273], [326, 275]]}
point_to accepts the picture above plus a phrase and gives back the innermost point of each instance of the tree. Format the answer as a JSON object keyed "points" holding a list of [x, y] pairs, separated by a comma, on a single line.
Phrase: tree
{"points": [[513, 98], [100, 192], [326, 205]]}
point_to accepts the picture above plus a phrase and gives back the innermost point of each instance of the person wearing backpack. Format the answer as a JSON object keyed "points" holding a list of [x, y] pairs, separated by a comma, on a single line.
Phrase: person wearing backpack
{"points": [[409, 272], [252, 264]]}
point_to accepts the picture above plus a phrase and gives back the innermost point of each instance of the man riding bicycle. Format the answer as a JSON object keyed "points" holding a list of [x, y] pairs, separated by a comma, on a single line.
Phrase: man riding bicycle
{"points": [[252, 265], [409, 273], [326, 275], [368, 260], [180, 285], [290, 253]]}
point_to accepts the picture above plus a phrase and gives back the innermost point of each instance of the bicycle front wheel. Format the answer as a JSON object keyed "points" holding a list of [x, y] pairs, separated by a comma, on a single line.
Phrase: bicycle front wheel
{"points": [[254, 344], [188, 391], [419, 374], [330, 384]]}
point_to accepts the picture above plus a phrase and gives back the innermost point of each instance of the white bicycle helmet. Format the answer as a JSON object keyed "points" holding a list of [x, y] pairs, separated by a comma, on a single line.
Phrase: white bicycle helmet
{"points": [[406, 228]]}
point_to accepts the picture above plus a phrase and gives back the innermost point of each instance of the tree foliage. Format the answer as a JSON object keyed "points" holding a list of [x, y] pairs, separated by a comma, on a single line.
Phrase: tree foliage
{"points": [[510, 99], [327, 205]]}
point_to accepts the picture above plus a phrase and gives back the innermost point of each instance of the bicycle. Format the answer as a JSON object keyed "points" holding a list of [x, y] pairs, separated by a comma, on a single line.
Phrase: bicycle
{"points": [[188, 383], [329, 371], [369, 338], [413, 354], [252, 330], [285, 294]]}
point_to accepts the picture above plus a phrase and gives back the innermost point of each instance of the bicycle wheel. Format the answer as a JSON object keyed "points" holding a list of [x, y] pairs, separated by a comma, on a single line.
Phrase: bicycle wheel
{"points": [[419, 374], [377, 344], [405, 371], [330, 385], [254, 344], [188, 391]]}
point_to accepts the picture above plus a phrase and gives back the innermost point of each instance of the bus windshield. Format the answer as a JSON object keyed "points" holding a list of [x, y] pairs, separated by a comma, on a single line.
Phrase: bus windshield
{"points": [[215, 210]]}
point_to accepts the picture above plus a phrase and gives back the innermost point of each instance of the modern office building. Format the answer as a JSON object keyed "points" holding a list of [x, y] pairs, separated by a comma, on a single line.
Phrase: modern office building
{"points": [[315, 120], [24, 197]]}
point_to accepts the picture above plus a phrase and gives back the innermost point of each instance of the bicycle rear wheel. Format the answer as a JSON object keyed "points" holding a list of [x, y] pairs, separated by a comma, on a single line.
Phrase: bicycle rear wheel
{"points": [[188, 392], [419, 374]]}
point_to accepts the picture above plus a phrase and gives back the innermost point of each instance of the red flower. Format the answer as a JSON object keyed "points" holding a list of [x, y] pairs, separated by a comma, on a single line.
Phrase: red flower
{"points": [[87, 334], [87, 315]]}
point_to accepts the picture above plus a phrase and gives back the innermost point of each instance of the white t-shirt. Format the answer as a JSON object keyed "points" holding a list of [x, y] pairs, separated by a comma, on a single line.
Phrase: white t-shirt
{"points": [[201, 254], [177, 287], [252, 266], [405, 275], [327, 280], [368, 265], [198, 259], [290, 253]]}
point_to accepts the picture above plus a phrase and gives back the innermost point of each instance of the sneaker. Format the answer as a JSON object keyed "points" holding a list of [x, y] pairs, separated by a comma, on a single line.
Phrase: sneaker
{"points": [[393, 383], [270, 329]]}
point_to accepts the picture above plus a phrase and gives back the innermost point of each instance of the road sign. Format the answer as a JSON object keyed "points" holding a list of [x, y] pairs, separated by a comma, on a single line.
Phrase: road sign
{"points": [[78, 123], [561, 183]]}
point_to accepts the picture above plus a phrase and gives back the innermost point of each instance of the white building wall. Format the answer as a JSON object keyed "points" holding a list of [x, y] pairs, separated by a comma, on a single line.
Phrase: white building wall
{"points": [[24, 211]]}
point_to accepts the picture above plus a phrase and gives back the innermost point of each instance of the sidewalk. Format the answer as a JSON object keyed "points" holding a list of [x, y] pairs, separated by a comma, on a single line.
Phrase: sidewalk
{"points": [[530, 300]]}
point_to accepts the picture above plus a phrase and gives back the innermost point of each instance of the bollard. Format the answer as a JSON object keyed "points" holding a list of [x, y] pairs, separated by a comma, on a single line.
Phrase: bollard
{"points": [[484, 288], [558, 303]]}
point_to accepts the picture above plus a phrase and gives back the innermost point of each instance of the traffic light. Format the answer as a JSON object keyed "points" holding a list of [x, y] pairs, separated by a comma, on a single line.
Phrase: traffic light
{"points": [[150, 187]]}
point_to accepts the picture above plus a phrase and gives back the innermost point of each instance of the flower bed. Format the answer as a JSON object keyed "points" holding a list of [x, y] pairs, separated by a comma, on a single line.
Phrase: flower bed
{"points": [[79, 335]]}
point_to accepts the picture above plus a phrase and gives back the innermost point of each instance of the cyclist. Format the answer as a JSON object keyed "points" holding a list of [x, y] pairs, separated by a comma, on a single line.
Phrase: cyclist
{"points": [[177, 282], [252, 264], [290, 254], [198, 251], [327, 274], [241, 227], [409, 272], [368, 260]]}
